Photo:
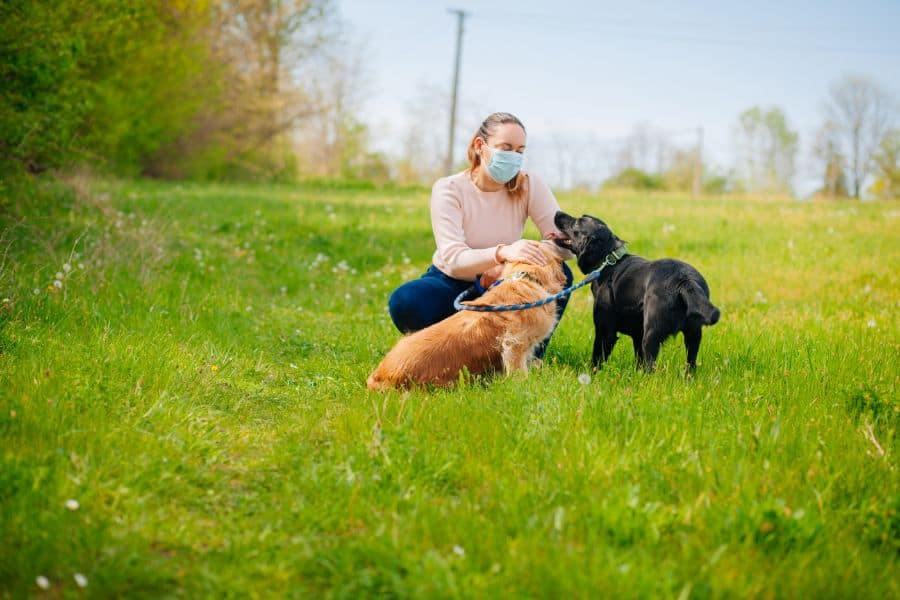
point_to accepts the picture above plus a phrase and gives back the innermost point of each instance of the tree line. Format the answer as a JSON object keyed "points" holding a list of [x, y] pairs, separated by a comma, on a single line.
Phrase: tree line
{"points": [[275, 89], [856, 150], [205, 89]]}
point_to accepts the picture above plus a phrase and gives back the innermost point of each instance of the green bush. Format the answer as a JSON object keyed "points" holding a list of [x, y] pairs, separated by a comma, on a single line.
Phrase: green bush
{"points": [[109, 83], [635, 179]]}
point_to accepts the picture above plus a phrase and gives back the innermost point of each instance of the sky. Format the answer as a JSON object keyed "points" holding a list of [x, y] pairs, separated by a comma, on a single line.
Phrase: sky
{"points": [[581, 74]]}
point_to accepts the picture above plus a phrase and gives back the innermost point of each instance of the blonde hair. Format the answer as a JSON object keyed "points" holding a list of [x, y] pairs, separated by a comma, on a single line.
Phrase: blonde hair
{"points": [[518, 185]]}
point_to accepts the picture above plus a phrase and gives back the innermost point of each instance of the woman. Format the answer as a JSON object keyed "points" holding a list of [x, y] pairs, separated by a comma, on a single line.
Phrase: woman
{"points": [[478, 217]]}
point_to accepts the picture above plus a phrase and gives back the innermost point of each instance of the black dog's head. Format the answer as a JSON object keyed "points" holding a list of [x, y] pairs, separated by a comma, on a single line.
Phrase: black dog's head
{"points": [[588, 237]]}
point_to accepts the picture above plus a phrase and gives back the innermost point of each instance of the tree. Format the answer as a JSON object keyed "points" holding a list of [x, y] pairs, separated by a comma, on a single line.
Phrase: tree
{"points": [[862, 112], [887, 166], [263, 50], [827, 150], [679, 176], [767, 148], [645, 148]]}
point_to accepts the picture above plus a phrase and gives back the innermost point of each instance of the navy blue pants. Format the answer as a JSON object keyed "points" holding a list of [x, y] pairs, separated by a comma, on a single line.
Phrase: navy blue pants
{"points": [[424, 301]]}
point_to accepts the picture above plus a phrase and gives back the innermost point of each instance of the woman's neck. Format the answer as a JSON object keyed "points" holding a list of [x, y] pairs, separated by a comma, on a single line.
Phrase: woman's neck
{"points": [[483, 181]]}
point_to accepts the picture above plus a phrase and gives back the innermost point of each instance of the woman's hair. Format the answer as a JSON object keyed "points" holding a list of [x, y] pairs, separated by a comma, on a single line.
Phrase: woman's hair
{"points": [[517, 186]]}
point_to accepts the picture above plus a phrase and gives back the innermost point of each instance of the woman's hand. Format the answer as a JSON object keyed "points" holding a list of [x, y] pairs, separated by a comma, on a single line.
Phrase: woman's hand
{"points": [[490, 276], [523, 250]]}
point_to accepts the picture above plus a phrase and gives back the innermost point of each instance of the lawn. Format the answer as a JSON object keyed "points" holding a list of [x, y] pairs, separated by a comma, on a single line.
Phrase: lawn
{"points": [[184, 413]]}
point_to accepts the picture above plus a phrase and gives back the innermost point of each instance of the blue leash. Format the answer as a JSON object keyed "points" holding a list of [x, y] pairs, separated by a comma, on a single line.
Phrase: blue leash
{"points": [[611, 259]]}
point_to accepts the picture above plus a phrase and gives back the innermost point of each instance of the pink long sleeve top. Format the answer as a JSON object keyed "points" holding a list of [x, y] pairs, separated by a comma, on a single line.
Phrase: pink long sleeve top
{"points": [[469, 224]]}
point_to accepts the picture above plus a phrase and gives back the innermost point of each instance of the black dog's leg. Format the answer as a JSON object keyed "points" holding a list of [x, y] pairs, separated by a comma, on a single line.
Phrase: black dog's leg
{"points": [[692, 338], [637, 341], [653, 339], [604, 338], [603, 346]]}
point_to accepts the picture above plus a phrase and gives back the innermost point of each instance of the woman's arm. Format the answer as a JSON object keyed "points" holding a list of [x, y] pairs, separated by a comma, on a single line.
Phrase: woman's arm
{"points": [[461, 261], [542, 205]]}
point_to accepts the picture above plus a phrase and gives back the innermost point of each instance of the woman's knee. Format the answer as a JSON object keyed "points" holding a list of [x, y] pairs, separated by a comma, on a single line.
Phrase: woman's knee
{"points": [[403, 308], [412, 306]]}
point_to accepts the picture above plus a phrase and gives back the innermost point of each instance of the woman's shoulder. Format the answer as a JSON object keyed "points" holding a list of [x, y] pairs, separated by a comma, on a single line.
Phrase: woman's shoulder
{"points": [[453, 186], [534, 179], [450, 181]]}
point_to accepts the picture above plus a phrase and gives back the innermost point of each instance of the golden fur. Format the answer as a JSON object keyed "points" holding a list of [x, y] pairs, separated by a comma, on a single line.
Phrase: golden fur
{"points": [[480, 342]]}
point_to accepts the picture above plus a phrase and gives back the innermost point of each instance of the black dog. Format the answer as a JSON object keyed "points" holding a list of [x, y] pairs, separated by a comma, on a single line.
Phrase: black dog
{"points": [[647, 300]]}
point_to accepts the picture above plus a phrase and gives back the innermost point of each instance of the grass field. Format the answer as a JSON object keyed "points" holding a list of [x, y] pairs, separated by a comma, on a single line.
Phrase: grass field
{"points": [[195, 384]]}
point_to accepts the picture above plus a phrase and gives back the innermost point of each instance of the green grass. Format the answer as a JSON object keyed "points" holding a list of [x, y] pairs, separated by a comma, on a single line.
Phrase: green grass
{"points": [[198, 386]]}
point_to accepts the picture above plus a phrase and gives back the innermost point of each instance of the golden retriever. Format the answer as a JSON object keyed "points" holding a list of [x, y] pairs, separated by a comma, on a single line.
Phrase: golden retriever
{"points": [[480, 342]]}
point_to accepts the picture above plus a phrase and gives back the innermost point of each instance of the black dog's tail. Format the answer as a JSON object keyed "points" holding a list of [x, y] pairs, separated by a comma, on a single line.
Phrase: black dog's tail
{"points": [[698, 303]]}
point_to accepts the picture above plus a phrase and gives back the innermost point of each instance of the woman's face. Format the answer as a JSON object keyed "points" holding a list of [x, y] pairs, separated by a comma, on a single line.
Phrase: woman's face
{"points": [[508, 136]]}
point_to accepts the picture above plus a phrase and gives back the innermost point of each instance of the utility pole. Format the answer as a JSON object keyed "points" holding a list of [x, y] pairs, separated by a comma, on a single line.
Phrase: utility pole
{"points": [[698, 164], [460, 17]]}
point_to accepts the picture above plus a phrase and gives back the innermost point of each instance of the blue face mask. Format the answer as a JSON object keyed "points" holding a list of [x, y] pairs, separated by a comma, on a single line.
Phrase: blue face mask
{"points": [[504, 164]]}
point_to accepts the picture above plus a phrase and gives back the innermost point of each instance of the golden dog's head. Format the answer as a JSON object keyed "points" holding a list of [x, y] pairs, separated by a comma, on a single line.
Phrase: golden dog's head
{"points": [[551, 275]]}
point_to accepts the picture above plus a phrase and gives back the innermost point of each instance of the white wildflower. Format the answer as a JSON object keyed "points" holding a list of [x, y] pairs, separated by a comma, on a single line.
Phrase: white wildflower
{"points": [[584, 379], [81, 580], [405, 260], [668, 228], [59, 275], [36, 292], [42, 582], [80, 266], [867, 289], [72, 504], [67, 267], [283, 289], [459, 550], [871, 323], [58, 284]]}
